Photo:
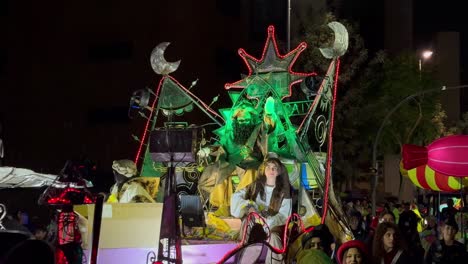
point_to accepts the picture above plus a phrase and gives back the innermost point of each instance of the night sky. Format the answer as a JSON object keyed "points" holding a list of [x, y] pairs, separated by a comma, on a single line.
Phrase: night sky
{"points": [[433, 16], [68, 68]]}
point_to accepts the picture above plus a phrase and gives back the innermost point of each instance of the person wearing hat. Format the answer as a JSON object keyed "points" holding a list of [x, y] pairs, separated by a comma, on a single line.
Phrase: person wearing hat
{"points": [[447, 250], [352, 252], [125, 190], [318, 238]]}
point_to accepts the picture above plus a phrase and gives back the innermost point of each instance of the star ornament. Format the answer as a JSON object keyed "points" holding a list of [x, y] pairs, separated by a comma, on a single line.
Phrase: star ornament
{"points": [[272, 71]]}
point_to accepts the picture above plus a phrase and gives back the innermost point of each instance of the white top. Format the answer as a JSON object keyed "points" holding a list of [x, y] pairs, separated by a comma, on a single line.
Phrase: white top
{"points": [[239, 204]]}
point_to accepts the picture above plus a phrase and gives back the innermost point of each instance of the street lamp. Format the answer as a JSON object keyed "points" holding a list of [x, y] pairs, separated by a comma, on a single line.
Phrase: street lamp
{"points": [[425, 55], [375, 168]]}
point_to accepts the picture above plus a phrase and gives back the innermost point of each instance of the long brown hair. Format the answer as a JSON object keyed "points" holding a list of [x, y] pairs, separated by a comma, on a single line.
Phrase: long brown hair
{"points": [[378, 246], [282, 186]]}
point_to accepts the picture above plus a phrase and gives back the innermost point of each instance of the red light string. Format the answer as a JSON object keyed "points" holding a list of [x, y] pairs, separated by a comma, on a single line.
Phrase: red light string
{"points": [[285, 233], [253, 215], [63, 200], [142, 141], [272, 37], [250, 216], [330, 144]]}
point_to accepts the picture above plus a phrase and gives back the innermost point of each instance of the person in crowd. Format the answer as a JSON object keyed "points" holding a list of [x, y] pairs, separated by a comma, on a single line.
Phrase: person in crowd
{"points": [[22, 217], [387, 216], [35, 222], [397, 210], [358, 205], [384, 216], [30, 251], [365, 206], [313, 255], [448, 211], [319, 238], [429, 233], [356, 225], [408, 225], [353, 252], [268, 196], [348, 207], [389, 246], [125, 190], [388, 206], [408, 221], [447, 250], [461, 217], [15, 222], [365, 213], [40, 233]]}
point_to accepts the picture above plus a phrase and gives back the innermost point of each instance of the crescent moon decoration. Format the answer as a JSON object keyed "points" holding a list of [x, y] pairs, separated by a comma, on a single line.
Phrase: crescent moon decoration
{"points": [[341, 41], [159, 63]]}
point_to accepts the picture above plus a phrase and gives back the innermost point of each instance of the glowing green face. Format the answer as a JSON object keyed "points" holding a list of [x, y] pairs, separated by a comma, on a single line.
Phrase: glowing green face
{"points": [[245, 118]]}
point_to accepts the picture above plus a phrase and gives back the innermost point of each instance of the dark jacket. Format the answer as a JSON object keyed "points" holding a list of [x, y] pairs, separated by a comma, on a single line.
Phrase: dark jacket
{"points": [[396, 257], [439, 252]]}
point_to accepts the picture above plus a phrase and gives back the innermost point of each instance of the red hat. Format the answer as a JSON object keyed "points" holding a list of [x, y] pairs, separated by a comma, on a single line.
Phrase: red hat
{"points": [[351, 244]]}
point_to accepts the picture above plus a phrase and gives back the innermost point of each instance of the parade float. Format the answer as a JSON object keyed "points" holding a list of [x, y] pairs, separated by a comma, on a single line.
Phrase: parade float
{"points": [[275, 112], [441, 168]]}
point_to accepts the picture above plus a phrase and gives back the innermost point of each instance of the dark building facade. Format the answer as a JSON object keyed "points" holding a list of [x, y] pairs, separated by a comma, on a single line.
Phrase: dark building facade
{"points": [[69, 69]]}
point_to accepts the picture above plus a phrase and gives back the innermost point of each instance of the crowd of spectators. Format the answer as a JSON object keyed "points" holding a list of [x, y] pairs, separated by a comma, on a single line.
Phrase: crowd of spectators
{"points": [[25, 240]]}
